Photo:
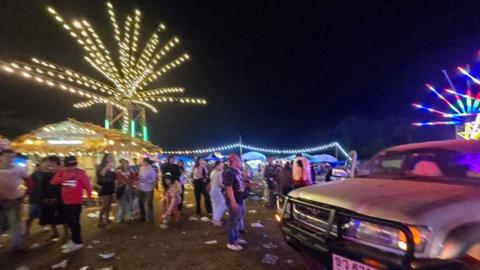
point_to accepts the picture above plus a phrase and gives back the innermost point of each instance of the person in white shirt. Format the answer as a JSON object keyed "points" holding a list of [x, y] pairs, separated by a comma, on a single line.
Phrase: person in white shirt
{"points": [[218, 200], [147, 178], [11, 197]]}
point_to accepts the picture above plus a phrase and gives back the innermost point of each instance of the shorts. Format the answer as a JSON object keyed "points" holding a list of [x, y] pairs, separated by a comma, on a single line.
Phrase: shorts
{"points": [[34, 210], [52, 214]]}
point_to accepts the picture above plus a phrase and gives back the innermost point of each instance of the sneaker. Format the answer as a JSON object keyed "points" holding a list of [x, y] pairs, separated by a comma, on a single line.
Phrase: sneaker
{"points": [[217, 223], [234, 247], [68, 245], [73, 248], [241, 241]]}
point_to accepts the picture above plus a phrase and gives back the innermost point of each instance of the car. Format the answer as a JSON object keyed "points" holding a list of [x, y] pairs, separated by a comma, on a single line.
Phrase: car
{"points": [[414, 206]]}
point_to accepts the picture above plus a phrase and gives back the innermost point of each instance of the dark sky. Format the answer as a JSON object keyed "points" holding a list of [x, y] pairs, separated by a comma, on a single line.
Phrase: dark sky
{"points": [[278, 72]]}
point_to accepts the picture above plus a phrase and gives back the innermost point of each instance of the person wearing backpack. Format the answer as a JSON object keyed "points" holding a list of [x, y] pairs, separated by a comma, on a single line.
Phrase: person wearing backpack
{"points": [[73, 181]]}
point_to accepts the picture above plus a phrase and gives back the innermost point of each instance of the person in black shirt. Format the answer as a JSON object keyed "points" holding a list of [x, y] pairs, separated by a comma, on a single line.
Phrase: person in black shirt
{"points": [[235, 190], [51, 212], [34, 192], [106, 177], [173, 169]]}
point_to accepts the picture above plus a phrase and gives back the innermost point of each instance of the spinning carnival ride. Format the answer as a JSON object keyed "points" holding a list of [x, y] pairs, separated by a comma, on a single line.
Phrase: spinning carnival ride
{"points": [[126, 96], [463, 105]]}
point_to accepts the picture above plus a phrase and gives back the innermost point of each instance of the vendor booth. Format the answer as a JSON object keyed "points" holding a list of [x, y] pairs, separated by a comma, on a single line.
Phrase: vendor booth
{"points": [[85, 140]]}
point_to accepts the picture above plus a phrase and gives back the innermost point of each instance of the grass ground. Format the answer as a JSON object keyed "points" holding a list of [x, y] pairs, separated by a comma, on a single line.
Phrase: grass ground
{"points": [[147, 246]]}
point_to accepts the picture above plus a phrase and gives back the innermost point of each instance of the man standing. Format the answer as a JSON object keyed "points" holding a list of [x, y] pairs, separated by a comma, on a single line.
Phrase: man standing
{"points": [[73, 181], [270, 176], [235, 190], [147, 178], [10, 195]]}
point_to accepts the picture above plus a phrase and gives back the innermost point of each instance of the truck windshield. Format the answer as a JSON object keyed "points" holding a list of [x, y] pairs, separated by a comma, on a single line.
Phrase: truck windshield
{"points": [[425, 164]]}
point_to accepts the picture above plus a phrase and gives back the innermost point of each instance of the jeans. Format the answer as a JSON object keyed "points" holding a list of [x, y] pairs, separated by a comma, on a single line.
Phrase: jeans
{"points": [[13, 210], [72, 217], [126, 204], [145, 197], [234, 218], [241, 223], [218, 203], [200, 188]]}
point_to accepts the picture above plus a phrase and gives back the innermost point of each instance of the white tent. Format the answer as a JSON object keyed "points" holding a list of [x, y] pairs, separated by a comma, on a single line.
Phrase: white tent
{"points": [[254, 156]]}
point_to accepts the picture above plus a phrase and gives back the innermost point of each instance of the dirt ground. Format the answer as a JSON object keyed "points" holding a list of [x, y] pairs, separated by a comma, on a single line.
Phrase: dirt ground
{"points": [[147, 246]]}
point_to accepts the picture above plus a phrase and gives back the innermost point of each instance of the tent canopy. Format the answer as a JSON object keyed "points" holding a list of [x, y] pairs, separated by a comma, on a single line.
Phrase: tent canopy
{"points": [[72, 137], [323, 158], [254, 156]]}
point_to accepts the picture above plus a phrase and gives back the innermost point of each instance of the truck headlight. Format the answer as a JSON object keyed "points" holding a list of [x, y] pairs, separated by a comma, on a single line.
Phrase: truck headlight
{"points": [[384, 236]]}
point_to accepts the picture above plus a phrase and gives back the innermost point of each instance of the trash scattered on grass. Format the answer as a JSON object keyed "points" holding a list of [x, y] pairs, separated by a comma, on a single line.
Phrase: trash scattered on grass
{"points": [[252, 211], [289, 262], [205, 219], [192, 218], [23, 267], [93, 214], [255, 198], [256, 225], [269, 245], [35, 245], [269, 259], [96, 242], [106, 256], [211, 242], [61, 264]]}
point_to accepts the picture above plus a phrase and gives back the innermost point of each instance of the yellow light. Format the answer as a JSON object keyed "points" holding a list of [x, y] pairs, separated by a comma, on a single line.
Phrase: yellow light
{"points": [[51, 10], [8, 69]]}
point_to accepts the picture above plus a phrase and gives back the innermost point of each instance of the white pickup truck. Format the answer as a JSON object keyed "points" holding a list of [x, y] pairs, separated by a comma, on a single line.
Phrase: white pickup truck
{"points": [[413, 206]]}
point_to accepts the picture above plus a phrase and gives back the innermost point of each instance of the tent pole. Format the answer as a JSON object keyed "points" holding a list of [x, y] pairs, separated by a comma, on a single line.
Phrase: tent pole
{"points": [[240, 145]]}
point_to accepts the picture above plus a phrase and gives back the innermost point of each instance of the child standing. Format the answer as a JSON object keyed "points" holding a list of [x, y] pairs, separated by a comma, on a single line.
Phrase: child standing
{"points": [[73, 181]]}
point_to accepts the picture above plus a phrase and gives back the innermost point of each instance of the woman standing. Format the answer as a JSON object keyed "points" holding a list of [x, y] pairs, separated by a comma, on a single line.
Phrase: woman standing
{"points": [[218, 200], [124, 191], [200, 182], [106, 180], [183, 180]]}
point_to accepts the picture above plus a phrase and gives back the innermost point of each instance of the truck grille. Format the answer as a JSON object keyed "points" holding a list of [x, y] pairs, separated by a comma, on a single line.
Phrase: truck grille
{"points": [[315, 218]]}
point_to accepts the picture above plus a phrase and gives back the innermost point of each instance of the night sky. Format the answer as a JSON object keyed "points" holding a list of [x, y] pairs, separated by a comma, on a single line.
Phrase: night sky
{"points": [[280, 73]]}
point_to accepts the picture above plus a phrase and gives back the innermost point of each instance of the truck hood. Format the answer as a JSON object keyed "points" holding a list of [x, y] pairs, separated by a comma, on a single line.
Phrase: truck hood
{"points": [[411, 202]]}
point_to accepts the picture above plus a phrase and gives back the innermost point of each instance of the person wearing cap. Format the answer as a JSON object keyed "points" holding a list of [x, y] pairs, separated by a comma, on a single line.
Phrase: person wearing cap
{"points": [[73, 181], [11, 197], [235, 190], [147, 178]]}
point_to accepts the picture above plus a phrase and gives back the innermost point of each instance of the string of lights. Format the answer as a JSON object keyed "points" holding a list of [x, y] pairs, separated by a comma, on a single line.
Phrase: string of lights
{"points": [[313, 149], [127, 78]]}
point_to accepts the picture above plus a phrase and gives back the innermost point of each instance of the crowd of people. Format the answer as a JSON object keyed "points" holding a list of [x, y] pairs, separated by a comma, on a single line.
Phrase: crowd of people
{"points": [[55, 193]]}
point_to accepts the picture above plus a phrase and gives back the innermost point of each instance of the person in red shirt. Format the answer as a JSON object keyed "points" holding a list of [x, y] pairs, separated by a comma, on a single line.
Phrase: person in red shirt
{"points": [[73, 181]]}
